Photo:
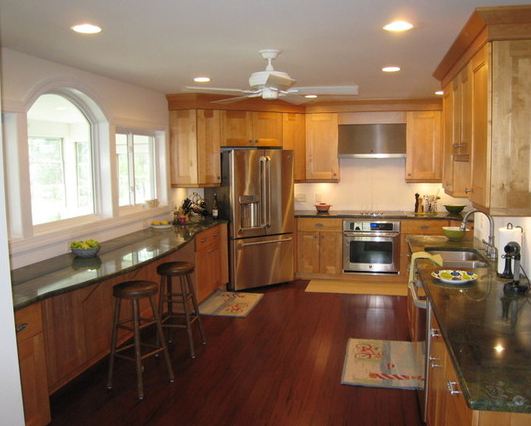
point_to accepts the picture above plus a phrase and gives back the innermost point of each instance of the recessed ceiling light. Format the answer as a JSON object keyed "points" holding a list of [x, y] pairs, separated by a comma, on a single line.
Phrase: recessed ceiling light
{"points": [[398, 26], [201, 79], [439, 92], [310, 96], [86, 28], [391, 69]]}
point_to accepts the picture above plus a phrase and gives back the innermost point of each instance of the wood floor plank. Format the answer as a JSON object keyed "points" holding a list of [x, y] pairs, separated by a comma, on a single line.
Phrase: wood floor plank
{"points": [[279, 366]]}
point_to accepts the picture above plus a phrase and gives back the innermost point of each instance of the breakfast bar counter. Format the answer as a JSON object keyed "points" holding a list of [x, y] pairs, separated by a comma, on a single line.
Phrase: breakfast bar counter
{"points": [[118, 256]]}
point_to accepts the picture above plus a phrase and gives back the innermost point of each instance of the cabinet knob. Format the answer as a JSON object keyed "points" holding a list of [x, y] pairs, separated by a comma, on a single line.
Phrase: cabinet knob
{"points": [[468, 190], [21, 327], [433, 362], [452, 388], [435, 333], [409, 174]]}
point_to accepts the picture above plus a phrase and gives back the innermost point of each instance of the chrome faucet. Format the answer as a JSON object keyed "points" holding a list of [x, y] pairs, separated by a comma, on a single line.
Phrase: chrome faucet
{"points": [[492, 251]]}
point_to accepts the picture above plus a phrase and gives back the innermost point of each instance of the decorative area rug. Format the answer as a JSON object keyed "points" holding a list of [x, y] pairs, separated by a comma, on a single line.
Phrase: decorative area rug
{"points": [[230, 304], [352, 287], [382, 364]]}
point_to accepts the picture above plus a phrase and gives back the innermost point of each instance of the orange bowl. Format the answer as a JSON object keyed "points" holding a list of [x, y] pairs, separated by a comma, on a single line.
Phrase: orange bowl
{"points": [[322, 207]]}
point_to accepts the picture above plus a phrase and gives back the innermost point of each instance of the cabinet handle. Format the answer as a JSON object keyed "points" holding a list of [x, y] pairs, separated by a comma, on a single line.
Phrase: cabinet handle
{"points": [[452, 389], [21, 327], [424, 227], [468, 190], [433, 363], [319, 225], [435, 333]]}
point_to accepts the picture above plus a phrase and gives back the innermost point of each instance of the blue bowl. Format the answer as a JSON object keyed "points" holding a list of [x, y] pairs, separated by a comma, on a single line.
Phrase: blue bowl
{"points": [[91, 252]]}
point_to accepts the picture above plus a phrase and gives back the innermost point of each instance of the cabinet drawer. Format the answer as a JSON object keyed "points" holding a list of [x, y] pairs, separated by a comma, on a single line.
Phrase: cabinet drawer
{"points": [[425, 226], [28, 321], [319, 224], [208, 239]]}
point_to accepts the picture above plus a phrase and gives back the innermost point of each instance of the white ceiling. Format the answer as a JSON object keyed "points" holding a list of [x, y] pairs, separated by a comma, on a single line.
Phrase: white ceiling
{"points": [[162, 44]]}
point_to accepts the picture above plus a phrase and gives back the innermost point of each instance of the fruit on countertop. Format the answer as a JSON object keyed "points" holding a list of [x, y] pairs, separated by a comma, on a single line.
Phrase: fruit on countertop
{"points": [[160, 222], [84, 244]]}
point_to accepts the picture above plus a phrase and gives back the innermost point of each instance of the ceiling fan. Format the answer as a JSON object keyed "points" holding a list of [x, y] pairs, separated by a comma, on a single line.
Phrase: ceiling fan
{"points": [[272, 84]]}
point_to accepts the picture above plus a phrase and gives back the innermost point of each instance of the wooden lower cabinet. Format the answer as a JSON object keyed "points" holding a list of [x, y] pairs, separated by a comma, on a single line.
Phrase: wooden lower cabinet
{"points": [[32, 362], [210, 271], [319, 246]]}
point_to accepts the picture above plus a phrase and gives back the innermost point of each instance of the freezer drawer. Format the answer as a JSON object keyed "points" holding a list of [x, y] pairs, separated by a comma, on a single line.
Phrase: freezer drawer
{"points": [[256, 262]]}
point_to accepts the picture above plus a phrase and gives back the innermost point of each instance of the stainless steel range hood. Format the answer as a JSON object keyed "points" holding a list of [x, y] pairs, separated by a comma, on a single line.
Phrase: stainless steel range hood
{"points": [[372, 140]]}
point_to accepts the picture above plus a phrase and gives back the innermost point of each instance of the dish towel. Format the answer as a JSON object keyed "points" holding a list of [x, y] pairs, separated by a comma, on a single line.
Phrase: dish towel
{"points": [[435, 258]]}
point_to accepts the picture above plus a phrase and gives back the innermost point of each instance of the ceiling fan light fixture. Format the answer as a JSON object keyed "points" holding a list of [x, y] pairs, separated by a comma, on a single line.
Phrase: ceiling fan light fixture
{"points": [[398, 26], [439, 92], [202, 79], [392, 68], [310, 96], [86, 28]]}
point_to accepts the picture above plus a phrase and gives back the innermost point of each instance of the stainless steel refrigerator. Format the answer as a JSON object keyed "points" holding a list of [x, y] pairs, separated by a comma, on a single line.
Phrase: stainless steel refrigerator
{"points": [[256, 196]]}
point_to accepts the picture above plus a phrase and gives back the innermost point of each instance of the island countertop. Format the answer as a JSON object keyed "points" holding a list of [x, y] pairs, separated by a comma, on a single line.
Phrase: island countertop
{"points": [[487, 332], [66, 272]]}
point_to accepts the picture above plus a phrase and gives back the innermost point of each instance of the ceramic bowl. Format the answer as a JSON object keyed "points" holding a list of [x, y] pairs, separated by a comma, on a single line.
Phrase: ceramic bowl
{"points": [[322, 207], [454, 233], [91, 252], [454, 209]]}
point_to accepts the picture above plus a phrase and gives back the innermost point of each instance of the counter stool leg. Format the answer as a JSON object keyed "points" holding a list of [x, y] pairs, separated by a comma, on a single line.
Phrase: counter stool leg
{"points": [[116, 318], [161, 305], [196, 308], [162, 343], [186, 308], [138, 353], [169, 301]]}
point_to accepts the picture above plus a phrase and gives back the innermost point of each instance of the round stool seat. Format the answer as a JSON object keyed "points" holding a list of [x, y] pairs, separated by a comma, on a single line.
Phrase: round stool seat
{"points": [[175, 268], [134, 289]]}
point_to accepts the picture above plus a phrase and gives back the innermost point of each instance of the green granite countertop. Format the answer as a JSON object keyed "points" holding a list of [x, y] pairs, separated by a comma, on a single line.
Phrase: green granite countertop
{"points": [[340, 214], [66, 272], [487, 332]]}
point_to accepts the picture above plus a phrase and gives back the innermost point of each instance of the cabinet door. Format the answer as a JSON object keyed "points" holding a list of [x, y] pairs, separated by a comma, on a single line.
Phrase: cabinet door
{"points": [[322, 162], [267, 128], [183, 147], [330, 252], [294, 138], [448, 159], [423, 161], [308, 252], [236, 128], [208, 147], [456, 411], [32, 364], [462, 148], [480, 179], [436, 377]]}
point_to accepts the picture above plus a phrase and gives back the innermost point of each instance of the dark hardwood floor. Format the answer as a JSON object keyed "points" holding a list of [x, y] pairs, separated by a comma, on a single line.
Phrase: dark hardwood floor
{"points": [[279, 366]]}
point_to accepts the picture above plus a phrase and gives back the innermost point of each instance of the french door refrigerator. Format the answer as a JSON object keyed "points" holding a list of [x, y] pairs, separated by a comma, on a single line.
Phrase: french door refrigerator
{"points": [[256, 196]]}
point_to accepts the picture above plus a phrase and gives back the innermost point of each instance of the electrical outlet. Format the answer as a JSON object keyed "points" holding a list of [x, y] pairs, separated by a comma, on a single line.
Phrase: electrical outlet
{"points": [[300, 198]]}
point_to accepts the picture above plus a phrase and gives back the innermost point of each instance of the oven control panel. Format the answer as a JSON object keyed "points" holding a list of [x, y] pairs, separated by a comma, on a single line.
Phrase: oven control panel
{"points": [[370, 226]]}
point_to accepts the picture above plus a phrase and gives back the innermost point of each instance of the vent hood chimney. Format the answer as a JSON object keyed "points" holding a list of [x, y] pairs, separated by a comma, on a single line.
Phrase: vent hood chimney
{"points": [[372, 140]]}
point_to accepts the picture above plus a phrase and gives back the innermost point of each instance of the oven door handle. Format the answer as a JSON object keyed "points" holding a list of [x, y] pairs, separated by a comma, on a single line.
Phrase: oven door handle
{"points": [[422, 304], [371, 234]]}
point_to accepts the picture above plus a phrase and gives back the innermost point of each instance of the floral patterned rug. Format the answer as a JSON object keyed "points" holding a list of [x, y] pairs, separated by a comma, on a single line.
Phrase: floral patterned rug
{"points": [[230, 304], [382, 364]]}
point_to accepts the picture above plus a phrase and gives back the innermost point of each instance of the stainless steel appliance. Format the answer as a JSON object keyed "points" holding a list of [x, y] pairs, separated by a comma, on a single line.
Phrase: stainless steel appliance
{"points": [[372, 140], [371, 246], [256, 196]]}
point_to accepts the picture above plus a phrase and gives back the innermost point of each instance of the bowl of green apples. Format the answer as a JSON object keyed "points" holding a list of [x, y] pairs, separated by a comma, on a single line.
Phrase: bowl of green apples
{"points": [[85, 248]]}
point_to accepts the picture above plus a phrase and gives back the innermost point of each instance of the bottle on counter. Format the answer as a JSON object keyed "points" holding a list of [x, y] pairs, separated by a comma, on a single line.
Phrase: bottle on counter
{"points": [[215, 208]]}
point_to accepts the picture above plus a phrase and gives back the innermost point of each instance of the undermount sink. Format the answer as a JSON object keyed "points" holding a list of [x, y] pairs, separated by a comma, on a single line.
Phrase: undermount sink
{"points": [[466, 258]]}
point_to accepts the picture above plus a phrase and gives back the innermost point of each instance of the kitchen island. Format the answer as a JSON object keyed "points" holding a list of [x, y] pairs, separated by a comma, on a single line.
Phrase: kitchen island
{"points": [[487, 334], [64, 305]]}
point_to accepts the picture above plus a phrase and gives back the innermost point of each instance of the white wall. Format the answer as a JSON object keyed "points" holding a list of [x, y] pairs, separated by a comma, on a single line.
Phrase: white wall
{"points": [[24, 78], [370, 184], [11, 410]]}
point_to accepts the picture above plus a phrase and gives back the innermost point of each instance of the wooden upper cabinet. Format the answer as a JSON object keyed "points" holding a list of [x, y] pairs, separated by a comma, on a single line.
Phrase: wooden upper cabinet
{"points": [[195, 137], [294, 138], [322, 162], [448, 158], [424, 148], [245, 128], [480, 179]]}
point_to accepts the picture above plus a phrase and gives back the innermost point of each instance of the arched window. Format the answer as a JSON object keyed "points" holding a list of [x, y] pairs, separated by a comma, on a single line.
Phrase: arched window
{"points": [[61, 160]]}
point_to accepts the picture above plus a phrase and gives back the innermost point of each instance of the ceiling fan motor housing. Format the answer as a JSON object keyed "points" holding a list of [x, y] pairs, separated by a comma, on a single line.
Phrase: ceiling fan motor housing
{"points": [[260, 79]]}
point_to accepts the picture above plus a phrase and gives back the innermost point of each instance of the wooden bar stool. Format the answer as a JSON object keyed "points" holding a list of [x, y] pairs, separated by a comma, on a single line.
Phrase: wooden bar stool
{"points": [[182, 270], [134, 291]]}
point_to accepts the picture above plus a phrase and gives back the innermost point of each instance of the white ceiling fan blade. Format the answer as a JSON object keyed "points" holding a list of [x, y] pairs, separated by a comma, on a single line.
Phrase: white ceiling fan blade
{"points": [[293, 99], [236, 99], [215, 90], [325, 90]]}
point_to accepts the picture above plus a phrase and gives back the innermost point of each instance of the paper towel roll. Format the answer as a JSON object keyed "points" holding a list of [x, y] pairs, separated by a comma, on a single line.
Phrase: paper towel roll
{"points": [[506, 235]]}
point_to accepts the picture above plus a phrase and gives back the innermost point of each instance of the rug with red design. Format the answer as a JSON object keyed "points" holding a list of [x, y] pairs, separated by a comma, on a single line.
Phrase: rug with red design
{"points": [[230, 304], [383, 364]]}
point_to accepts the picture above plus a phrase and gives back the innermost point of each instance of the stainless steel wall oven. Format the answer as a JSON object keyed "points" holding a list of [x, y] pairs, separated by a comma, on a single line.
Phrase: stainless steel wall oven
{"points": [[371, 246]]}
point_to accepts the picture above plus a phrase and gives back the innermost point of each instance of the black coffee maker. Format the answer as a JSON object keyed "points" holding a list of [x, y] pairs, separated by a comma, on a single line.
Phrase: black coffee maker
{"points": [[512, 251]]}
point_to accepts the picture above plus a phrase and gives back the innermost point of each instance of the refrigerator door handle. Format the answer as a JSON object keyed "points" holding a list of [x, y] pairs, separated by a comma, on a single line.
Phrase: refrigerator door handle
{"points": [[259, 243], [263, 192], [268, 183]]}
